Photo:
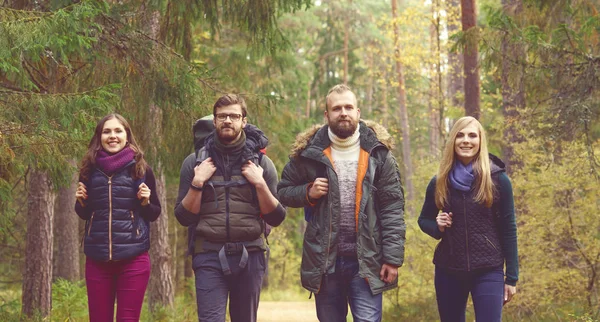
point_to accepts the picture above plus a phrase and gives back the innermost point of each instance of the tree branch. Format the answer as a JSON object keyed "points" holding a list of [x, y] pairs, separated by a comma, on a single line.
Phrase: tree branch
{"points": [[12, 87], [32, 78]]}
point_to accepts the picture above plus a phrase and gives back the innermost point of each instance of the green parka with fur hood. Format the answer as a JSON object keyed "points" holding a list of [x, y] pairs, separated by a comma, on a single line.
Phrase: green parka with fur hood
{"points": [[379, 216]]}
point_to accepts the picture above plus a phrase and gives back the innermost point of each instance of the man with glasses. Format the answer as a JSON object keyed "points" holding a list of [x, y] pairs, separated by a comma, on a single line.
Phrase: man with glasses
{"points": [[346, 177], [227, 191]]}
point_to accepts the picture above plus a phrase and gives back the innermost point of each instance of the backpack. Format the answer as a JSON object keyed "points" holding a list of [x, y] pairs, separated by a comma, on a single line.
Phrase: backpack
{"points": [[201, 129]]}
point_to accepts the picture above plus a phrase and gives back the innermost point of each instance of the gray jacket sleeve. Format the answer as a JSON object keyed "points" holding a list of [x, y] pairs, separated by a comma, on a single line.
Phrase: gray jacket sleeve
{"points": [[390, 204], [275, 217], [186, 175]]}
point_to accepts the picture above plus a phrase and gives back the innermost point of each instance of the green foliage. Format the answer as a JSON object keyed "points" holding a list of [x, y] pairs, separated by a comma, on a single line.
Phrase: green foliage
{"points": [[37, 36], [558, 236], [62, 69], [560, 65], [69, 301], [286, 253]]}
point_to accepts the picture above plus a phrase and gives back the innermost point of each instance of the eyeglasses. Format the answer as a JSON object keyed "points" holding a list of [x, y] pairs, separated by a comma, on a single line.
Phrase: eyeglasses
{"points": [[233, 117]]}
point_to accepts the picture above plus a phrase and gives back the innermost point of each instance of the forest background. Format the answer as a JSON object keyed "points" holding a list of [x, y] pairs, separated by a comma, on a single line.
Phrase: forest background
{"points": [[528, 69]]}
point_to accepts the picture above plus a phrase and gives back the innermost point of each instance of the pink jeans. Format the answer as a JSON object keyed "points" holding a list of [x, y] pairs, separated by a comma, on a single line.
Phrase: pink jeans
{"points": [[126, 280]]}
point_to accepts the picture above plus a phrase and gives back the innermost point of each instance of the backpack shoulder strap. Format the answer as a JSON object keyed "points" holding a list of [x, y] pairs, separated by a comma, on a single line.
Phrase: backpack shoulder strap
{"points": [[260, 157], [201, 155], [257, 157]]}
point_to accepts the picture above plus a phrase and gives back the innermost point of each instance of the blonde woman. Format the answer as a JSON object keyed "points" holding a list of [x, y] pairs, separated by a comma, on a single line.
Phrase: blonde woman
{"points": [[469, 206]]}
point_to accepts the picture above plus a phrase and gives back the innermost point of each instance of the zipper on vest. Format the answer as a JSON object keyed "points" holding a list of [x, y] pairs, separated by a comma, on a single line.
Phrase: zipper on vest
{"points": [[89, 229], [466, 232], [489, 241], [110, 218], [227, 214], [133, 223], [91, 221]]}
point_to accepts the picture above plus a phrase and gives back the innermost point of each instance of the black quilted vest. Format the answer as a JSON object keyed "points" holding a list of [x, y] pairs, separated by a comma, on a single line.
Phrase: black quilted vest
{"points": [[473, 241], [115, 231]]}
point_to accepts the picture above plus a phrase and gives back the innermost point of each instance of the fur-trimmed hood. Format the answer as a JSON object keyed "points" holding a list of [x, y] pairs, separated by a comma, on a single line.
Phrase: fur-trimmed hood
{"points": [[307, 137]]}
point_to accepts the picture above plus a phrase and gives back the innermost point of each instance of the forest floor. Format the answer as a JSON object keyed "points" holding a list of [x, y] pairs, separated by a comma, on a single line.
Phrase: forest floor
{"points": [[287, 311]]}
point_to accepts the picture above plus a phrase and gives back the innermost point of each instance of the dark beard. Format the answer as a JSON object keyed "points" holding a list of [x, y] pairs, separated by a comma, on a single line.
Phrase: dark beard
{"points": [[227, 138], [343, 131]]}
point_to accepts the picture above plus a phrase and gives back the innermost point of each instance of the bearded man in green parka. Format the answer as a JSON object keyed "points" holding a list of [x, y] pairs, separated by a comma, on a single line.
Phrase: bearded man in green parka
{"points": [[345, 176]]}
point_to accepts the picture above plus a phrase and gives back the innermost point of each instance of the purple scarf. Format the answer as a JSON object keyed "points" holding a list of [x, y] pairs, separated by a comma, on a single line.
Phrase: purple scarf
{"points": [[110, 163], [461, 176]]}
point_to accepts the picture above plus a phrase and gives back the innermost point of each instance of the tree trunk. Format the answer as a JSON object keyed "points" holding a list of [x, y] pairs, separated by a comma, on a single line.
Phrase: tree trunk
{"points": [[384, 100], [471, 68], [160, 288], [66, 233], [371, 79], [455, 59], [179, 254], [37, 277], [408, 173], [346, 36], [436, 100], [513, 92], [307, 109]]}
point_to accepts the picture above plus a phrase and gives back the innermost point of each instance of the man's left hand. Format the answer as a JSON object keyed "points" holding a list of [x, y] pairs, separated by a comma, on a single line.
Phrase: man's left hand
{"points": [[388, 273], [253, 173]]}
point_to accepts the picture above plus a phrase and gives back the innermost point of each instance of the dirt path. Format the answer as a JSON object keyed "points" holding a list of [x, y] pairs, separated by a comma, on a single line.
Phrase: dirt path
{"points": [[287, 311]]}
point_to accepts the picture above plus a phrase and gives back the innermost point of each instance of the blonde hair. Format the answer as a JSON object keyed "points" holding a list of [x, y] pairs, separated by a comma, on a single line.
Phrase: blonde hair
{"points": [[484, 187], [338, 89]]}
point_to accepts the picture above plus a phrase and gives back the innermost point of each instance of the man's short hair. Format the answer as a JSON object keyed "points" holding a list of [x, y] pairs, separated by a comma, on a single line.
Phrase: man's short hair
{"points": [[231, 99], [339, 89]]}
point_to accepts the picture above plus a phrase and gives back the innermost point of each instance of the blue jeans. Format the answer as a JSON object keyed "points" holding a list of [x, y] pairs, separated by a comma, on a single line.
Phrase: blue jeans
{"points": [[242, 287], [345, 287], [452, 290]]}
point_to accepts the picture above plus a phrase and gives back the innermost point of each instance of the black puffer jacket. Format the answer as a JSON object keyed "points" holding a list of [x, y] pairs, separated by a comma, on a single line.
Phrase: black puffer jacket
{"points": [[115, 230]]}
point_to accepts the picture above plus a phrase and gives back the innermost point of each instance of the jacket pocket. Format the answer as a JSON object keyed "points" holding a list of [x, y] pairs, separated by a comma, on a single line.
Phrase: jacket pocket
{"points": [[135, 229], [89, 228], [490, 242]]}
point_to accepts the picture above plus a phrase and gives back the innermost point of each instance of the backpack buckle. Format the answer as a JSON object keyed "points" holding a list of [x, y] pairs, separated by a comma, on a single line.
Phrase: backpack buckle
{"points": [[233, 248]]}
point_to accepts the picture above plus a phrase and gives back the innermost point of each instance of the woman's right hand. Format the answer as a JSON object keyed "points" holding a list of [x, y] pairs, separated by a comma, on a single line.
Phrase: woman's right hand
{"points": [[81, 193], [444, 219]]}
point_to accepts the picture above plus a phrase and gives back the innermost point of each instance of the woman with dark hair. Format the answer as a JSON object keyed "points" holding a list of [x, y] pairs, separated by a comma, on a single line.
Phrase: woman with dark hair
{"points": [[116, 196], [469, 206]]}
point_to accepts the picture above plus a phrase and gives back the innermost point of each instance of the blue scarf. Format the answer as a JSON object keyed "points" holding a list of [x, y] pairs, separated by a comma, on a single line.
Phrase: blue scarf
{"points": [[461, 176]]}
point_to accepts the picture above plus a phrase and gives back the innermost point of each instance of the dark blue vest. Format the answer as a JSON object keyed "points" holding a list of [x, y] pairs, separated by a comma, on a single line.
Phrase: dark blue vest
{"points": [[115, 231]]}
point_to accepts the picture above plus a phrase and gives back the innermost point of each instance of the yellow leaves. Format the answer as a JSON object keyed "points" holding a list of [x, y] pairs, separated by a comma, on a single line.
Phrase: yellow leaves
{"points": [[557, 206], [131, 69], [204, 35]]}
